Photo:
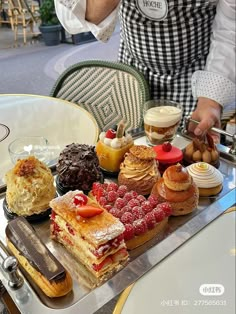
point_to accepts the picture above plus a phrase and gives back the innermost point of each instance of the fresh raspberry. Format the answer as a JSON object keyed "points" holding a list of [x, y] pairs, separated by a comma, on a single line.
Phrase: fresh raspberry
{"points": [[95, 186], [108, 207], [166, 207], [112, 196], [105, 185], [122, 190], [137, 212], [112, 186], [127, 197], [127, 218], [134, 194], [80, 199], [110, 133], [115, 212], [140, 226], [166, 146], [103, 201], [119, 203], [153, 199], [150, 220], [159, 214], [134, 202], [127, 208], [146, 207], [141, 198], [129, 232], [100, 193]]}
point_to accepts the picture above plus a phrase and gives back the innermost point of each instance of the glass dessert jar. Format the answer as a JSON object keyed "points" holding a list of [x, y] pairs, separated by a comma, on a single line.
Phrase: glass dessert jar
{"points": [[161, 120]]}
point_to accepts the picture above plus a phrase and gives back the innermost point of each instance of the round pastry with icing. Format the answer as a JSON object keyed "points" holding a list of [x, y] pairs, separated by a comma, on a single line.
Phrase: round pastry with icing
{"points": [[208, 179]]}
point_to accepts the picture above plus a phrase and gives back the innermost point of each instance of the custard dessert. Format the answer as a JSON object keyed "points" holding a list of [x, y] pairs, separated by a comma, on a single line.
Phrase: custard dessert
{"points": [[111, 148]]}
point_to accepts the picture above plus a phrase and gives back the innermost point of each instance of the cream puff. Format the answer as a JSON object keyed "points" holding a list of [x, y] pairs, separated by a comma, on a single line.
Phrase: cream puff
{"points": [[178, 188]]}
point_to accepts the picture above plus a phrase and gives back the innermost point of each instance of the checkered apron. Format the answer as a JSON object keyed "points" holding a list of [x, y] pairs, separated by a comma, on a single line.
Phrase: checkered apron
{"points": [[167, 51]]}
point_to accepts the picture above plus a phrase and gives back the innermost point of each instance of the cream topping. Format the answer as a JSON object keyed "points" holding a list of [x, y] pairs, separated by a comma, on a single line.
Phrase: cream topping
{"points": [[115, 142], [138, 174], [205, 175], [163, 116]]}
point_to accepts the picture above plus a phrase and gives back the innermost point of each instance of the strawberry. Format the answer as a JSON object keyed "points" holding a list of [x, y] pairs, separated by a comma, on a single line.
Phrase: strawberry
{"points": [[166, 146], [88, 211], [80, 199], [110, 134], [104, 263], [119, 255]]}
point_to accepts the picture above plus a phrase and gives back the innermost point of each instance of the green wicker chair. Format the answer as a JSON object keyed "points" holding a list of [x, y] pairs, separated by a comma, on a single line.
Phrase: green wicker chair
{"points": [[110, 91]]}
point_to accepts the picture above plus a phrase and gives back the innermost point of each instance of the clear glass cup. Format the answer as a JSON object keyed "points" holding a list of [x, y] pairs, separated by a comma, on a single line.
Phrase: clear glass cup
{"points": [[24, 147], [161, 120]]}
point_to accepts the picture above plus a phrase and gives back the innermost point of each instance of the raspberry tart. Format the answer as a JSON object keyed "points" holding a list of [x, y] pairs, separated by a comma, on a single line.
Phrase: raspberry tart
{"points": [[143, 218]]}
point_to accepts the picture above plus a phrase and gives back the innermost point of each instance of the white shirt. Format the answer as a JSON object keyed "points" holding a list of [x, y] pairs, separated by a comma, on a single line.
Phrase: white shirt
{"points": [[216, 82]]}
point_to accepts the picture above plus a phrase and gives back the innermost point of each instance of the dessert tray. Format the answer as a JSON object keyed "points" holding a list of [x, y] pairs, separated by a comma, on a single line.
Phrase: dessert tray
{"points": [[85, 299]]}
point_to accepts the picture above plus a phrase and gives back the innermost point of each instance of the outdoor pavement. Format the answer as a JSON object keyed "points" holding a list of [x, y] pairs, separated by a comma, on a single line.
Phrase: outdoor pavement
{"points": [[34, 67]]}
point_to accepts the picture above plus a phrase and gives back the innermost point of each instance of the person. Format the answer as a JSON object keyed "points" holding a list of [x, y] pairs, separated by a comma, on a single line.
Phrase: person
{"points": [[185, 48]]}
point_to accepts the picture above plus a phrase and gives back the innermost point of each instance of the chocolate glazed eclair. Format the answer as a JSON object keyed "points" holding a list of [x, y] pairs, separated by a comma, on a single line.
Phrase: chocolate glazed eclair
{"points": [[35, 258]]}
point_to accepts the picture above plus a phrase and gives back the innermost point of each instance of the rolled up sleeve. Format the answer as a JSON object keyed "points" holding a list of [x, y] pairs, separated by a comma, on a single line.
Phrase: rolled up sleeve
{"points": [[71, 14], [217, 81]]}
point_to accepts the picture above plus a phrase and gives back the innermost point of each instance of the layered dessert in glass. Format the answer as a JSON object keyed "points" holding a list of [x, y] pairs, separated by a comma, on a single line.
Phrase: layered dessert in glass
{"points": [[161, 121]]}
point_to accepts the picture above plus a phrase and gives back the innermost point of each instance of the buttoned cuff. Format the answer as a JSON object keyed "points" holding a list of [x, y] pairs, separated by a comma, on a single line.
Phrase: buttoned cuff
{"points": [[102, 31], [213, 86]]}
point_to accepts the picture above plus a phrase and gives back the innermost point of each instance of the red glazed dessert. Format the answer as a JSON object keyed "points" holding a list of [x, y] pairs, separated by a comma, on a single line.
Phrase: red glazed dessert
{"points": [[167, 155]]}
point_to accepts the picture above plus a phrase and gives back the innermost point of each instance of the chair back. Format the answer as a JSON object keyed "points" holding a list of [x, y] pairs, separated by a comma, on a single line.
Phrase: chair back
{"points": [[110, 91]]}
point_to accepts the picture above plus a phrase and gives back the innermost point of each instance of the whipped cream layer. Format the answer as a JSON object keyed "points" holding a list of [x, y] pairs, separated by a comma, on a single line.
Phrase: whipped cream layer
{"points": [[205, 175], [163, 116], [115, 142]]}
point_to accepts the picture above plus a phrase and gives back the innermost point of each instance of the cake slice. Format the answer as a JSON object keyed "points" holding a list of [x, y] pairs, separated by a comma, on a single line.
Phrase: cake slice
{"points": [[89, 232]]}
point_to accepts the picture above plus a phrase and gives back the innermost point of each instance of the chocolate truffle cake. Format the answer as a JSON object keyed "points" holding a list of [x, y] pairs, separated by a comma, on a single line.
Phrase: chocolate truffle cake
{"points": [[78, 167]]}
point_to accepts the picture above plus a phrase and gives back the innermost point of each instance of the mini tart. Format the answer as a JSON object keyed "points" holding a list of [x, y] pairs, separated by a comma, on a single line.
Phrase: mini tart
{"points": [[208, 179]]}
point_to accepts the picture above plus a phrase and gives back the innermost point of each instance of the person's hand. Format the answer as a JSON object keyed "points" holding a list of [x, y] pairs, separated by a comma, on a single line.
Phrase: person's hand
{"points": [[208, 113]]}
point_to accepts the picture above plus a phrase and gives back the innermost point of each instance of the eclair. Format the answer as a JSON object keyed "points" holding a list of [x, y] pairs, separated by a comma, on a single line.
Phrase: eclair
{"points": [[36, 259]]}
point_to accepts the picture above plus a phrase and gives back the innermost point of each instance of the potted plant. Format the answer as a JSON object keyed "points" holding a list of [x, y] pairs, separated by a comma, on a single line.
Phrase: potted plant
{"points": [[50, 26]]}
